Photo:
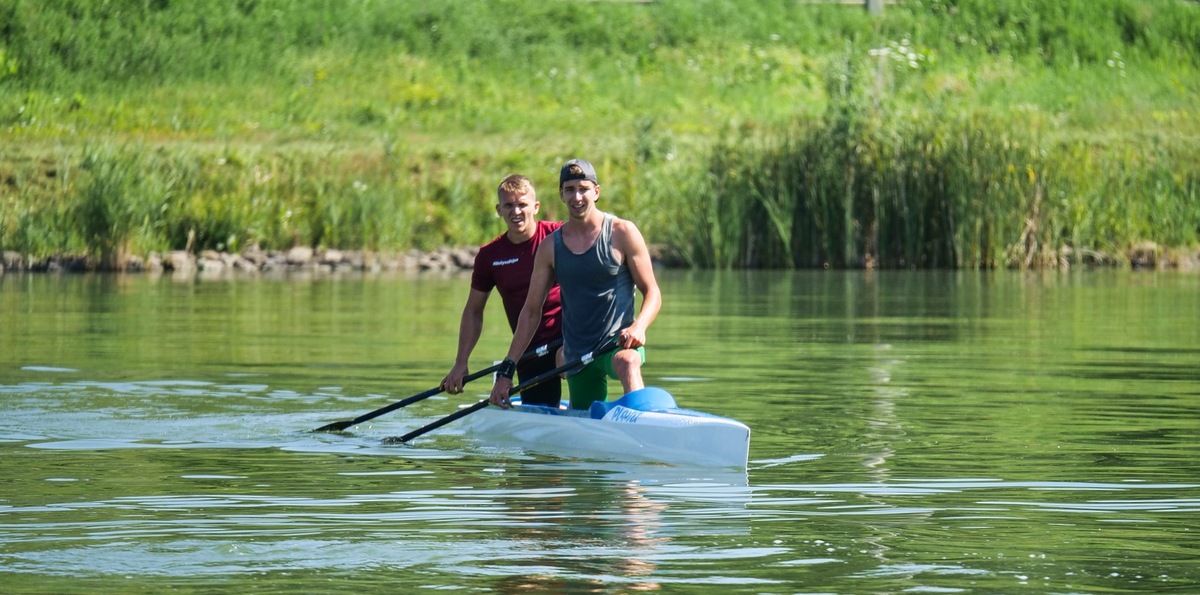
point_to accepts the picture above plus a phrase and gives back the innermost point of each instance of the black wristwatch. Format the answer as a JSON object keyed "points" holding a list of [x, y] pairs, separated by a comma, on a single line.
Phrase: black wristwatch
{"points": [[507, 368]]}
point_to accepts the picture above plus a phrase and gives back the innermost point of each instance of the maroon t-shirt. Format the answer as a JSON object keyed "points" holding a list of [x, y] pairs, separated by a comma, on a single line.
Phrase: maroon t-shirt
{"points": [[507, 267]]}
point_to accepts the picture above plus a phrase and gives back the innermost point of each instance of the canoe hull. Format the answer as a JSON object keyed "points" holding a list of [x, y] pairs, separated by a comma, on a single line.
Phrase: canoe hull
{"points": [[676, 437]]}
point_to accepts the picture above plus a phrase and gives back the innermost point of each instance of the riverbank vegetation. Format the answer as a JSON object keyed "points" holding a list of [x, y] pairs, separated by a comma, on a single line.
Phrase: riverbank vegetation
{"points": [[758, 133]]}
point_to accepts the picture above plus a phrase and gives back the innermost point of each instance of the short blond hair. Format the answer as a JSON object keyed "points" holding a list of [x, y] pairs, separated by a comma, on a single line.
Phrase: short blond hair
{"points": [[515, 184]]}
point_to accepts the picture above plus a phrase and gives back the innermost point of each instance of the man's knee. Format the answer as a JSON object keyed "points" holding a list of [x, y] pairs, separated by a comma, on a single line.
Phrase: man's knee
{"points": [[626, 358]]}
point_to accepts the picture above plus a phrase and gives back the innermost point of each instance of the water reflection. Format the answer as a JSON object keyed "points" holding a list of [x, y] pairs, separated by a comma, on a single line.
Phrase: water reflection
{"points": [[578, 534]]}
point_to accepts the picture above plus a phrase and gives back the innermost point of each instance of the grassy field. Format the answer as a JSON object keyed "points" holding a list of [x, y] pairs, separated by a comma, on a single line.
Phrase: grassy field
{"points": [[756, 133]]}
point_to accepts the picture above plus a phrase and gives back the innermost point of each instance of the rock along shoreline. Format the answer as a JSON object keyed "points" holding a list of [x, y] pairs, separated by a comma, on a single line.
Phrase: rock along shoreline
{"points": [[254, 261], [308, 261]]}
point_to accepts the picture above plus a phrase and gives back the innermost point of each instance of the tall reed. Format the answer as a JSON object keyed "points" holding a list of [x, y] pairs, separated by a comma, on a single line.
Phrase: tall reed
{"points": [[117, 207], [865, 186]]}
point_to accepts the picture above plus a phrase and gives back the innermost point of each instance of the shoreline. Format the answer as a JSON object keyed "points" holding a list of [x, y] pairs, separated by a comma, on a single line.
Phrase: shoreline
{"points": [[253, 262]]}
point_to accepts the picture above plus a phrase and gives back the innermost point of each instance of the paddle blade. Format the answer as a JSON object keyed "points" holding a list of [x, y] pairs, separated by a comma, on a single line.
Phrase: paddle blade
{"points": [[337, 426]]}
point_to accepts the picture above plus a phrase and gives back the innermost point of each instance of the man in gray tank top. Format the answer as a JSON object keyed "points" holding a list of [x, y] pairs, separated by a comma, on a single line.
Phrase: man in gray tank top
{"points": [[598, 261]]}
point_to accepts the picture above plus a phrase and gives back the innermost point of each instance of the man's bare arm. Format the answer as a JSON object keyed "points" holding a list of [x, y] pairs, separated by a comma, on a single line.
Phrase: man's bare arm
{"points": [[632, 245]]}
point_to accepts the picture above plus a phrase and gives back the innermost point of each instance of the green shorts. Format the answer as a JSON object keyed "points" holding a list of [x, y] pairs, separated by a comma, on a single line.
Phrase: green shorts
{"points": [[591, 383]]}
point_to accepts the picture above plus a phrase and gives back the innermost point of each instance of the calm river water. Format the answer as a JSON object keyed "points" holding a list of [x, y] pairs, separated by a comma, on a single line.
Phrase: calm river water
{"points": [[934, 432]]}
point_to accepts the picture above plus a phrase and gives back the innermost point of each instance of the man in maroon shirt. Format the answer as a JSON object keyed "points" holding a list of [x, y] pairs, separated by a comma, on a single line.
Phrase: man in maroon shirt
{"points": [[506, 263]]}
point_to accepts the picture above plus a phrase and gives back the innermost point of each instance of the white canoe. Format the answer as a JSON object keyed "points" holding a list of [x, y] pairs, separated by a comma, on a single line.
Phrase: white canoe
{"points": [[628, 429]]}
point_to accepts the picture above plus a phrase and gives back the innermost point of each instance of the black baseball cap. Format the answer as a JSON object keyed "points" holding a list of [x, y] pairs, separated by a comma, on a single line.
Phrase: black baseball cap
{"points": [[586, 172]]}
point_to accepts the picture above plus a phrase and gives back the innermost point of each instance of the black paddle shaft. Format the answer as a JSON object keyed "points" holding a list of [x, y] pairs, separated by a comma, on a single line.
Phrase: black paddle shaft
{"points": [[338, 426], [586, 359]]}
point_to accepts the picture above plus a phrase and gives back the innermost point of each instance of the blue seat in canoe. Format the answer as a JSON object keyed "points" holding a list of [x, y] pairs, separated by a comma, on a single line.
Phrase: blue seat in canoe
{"points": [[647, 399]]}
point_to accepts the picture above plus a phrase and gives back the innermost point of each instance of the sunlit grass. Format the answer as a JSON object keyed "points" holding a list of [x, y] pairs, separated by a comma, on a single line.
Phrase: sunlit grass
{"points": [[742, 134]]}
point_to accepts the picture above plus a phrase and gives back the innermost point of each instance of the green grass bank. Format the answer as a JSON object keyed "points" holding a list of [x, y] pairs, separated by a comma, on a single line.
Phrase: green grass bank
{"points": [[943, 133]]}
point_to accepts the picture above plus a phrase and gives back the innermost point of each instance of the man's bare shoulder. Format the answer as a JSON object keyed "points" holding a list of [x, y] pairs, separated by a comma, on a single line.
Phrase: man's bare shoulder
{"points": [[625, 230], [545, 253]]}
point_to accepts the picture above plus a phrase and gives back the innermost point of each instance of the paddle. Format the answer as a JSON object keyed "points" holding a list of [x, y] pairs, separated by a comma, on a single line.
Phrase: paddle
{"points": [[338, 426], [584, 360]]}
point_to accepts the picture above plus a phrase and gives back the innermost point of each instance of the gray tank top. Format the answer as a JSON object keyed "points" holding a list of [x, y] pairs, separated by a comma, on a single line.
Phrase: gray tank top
{"points": [[597, 293]]}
